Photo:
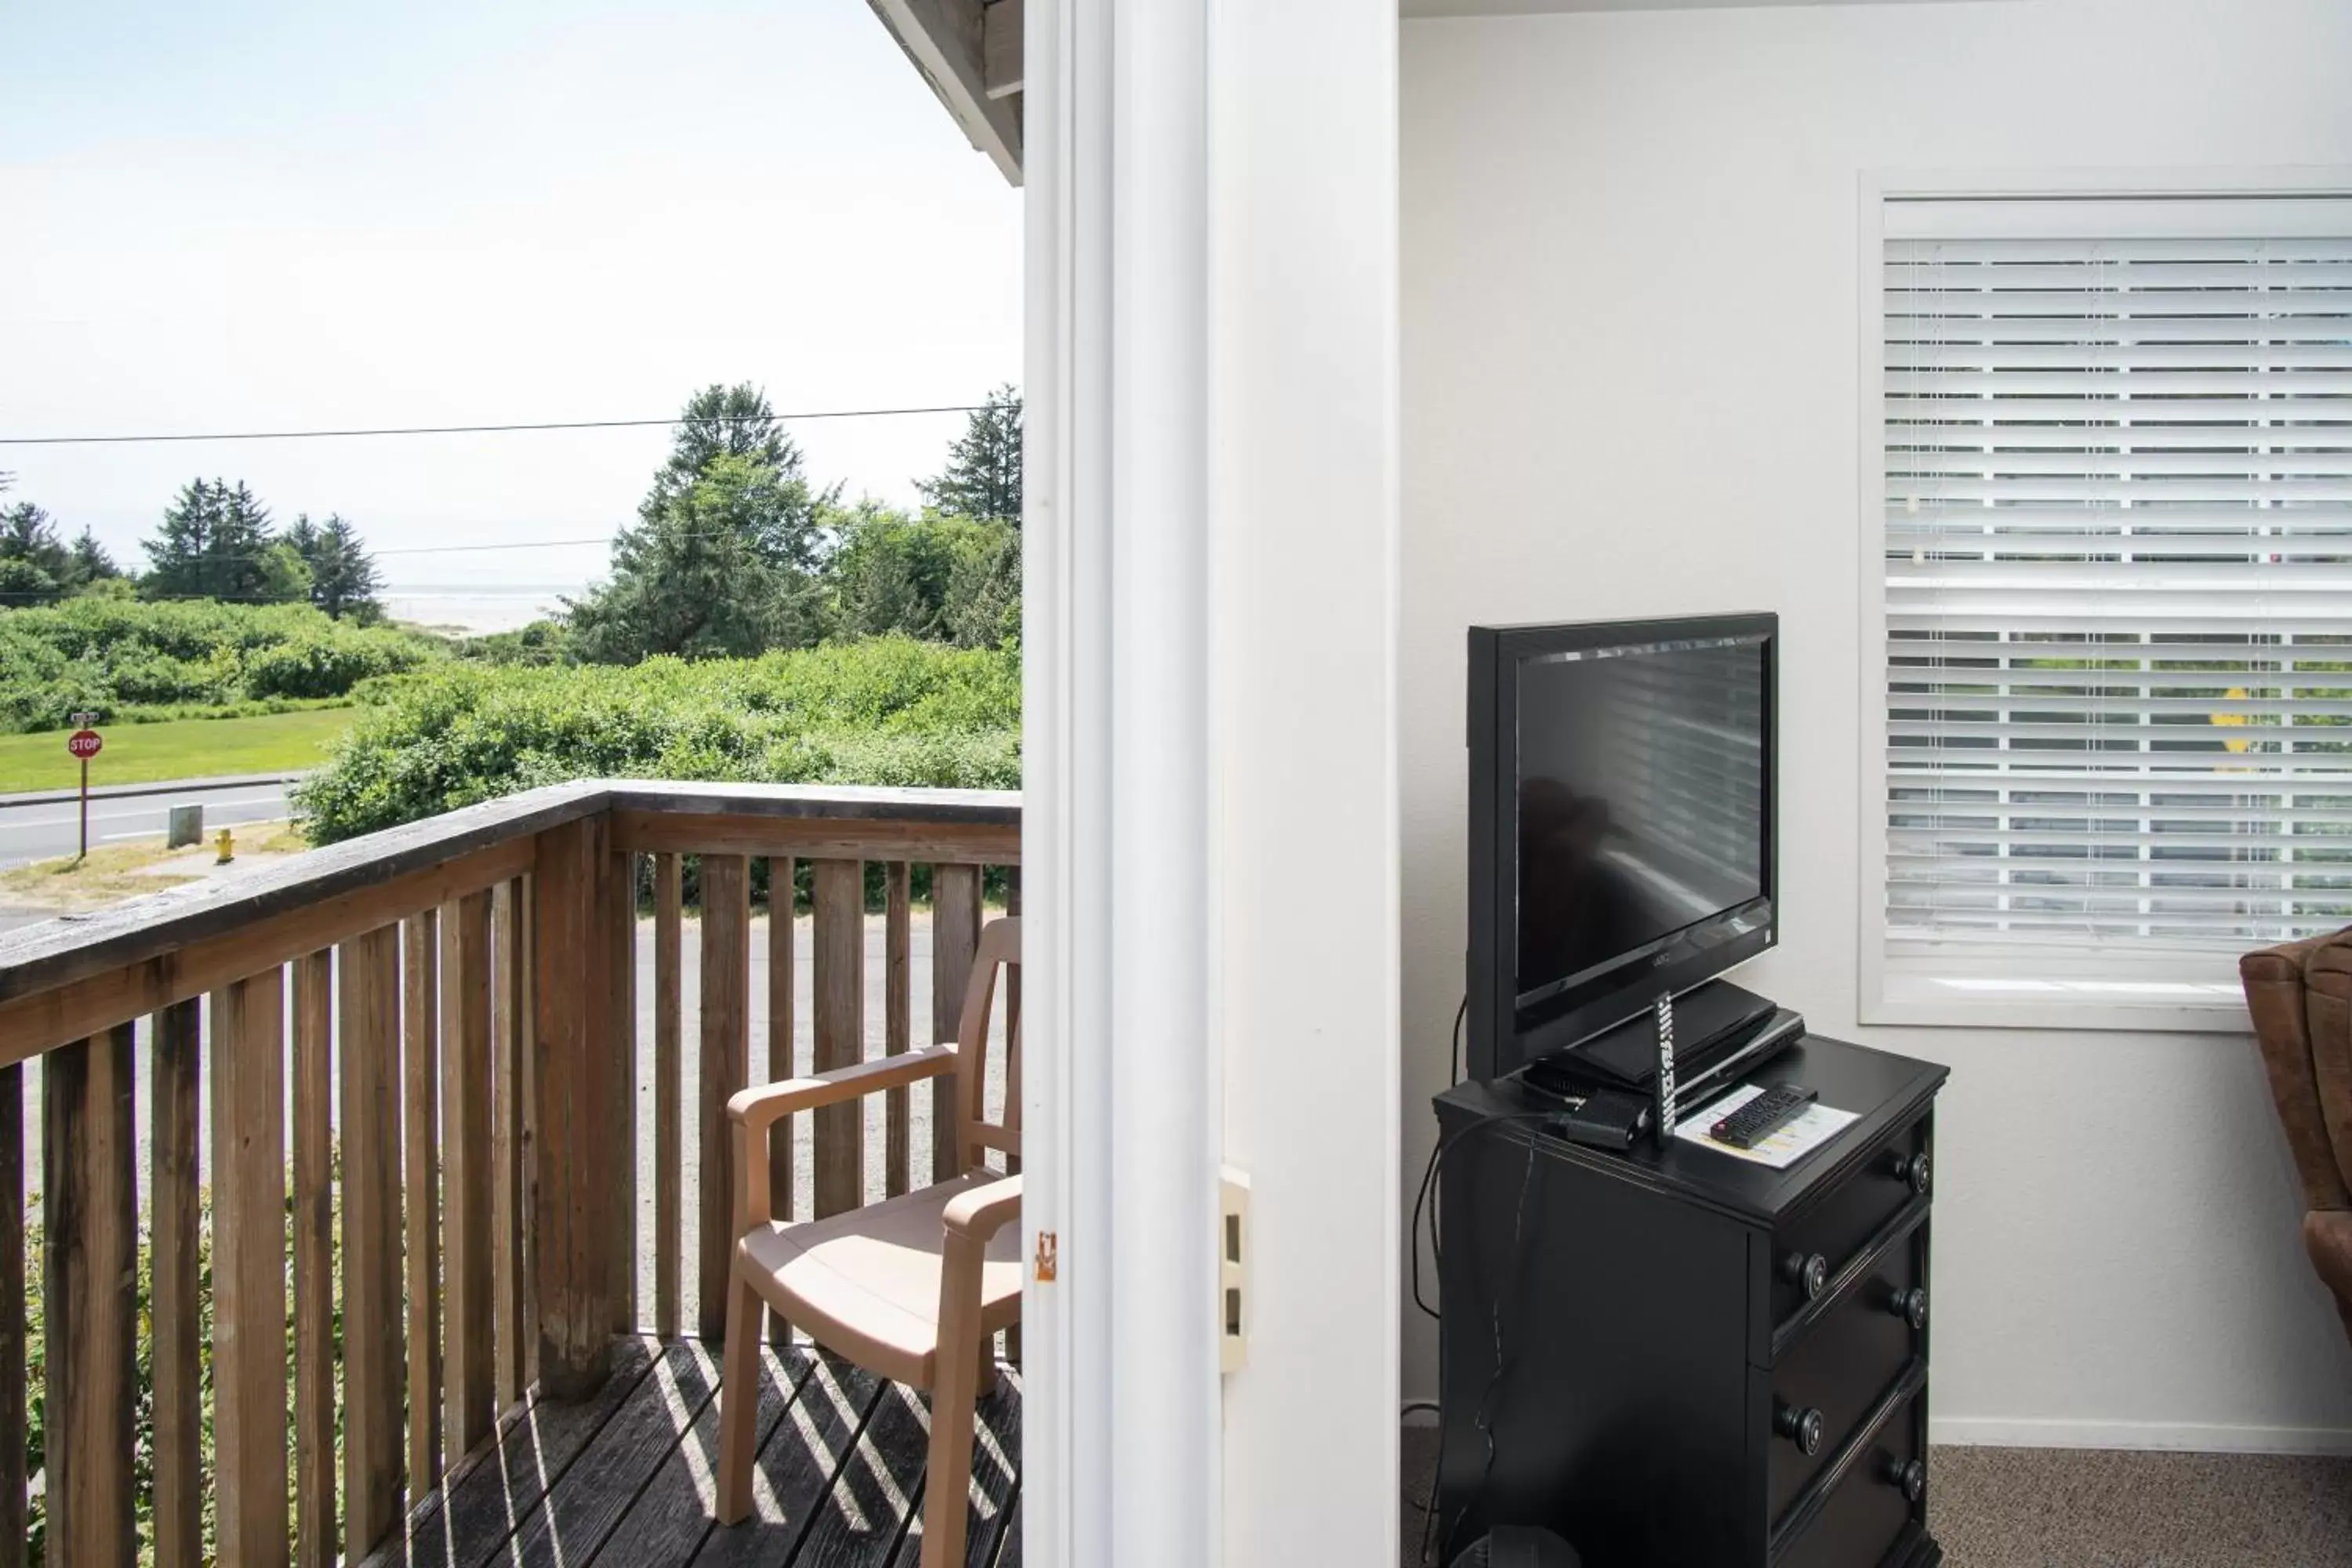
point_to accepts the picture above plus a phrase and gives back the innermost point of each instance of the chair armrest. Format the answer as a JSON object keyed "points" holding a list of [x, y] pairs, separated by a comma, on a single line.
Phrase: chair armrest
{"points": [[983, 1211], [759, 1107]]}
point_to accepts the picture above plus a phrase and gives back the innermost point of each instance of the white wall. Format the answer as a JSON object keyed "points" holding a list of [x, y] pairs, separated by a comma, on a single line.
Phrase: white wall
{"points": [[1631, 305]]}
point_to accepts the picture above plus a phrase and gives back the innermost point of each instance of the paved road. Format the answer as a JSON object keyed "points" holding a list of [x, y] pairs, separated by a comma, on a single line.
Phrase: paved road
{"points": [[45, 831]]}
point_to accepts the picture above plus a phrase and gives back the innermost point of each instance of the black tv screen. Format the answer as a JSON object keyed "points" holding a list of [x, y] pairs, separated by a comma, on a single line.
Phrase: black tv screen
{"points": [[1620, 822]]}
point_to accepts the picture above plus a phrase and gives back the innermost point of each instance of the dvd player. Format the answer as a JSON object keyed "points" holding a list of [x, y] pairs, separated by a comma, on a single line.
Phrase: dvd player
{"points": [[1725, 1031]]}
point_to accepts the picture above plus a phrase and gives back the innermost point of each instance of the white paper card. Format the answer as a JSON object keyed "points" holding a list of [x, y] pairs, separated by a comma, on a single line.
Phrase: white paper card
{"points": [[1817, 1126]]}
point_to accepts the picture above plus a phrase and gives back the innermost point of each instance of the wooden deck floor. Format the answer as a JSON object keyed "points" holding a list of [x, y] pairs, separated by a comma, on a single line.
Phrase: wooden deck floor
{"points": [[624, 1479]]}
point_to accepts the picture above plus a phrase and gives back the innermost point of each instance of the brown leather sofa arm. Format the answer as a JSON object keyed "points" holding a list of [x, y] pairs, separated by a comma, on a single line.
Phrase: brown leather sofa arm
{"points": [[2306, 1056]]}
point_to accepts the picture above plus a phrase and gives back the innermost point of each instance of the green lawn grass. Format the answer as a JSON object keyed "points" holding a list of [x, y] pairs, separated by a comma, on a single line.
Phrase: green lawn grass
{"points": [[183, 749]]}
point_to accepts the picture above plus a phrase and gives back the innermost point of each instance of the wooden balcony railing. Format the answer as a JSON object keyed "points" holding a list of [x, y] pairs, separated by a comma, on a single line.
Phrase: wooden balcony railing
{"points": [[408, 1071]]}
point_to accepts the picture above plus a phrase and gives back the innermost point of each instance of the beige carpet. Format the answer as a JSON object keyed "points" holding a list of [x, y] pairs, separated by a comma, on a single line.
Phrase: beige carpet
{"points": [[2066, 1508]]}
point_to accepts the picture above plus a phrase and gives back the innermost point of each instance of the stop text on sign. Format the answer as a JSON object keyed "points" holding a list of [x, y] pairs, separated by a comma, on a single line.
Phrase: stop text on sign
{"points": [[85, 743]]}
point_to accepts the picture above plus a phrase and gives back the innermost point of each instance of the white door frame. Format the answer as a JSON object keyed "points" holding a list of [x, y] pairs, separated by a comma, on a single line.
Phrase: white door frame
{"points": [[1120, 1418], [1211, 837]]}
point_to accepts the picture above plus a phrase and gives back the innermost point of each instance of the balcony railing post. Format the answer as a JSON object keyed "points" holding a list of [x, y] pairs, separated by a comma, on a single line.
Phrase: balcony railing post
{"points": [[510, 991], [620, 927], [837, 982], [471, 1387], [572, 1073], [955, 936], [725, 1068], [14, 1502], [317, 1536], [376, 1349], [89, 1221], [248, 1121], [420, 1141], [173, 1295]]}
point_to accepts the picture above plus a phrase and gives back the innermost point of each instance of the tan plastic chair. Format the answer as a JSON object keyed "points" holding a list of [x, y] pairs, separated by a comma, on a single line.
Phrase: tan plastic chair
{"points": [[913, 1289]]}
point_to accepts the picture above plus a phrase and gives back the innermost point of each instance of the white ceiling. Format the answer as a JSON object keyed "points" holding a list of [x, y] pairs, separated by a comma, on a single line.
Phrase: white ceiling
{"points": [[1538, 7]]}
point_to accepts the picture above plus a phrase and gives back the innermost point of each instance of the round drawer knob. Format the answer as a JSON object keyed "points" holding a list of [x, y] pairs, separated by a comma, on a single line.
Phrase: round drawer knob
{"points": [[1911, 1306], [1909, 1477], [1913, 1170], [1802, 1427], [1809, 1271]]}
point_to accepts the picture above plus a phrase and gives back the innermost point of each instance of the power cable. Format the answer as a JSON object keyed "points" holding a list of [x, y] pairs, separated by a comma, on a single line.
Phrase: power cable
{"points": [[425, 549], [484, 430]]}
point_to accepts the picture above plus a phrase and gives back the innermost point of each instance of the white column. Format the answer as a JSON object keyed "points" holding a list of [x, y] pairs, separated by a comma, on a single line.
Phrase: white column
{"points": [[1121, 1418], [1211, 842]]}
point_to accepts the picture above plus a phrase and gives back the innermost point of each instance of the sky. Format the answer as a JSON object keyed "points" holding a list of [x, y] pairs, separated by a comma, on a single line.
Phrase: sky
{"points": [[260, 215]]}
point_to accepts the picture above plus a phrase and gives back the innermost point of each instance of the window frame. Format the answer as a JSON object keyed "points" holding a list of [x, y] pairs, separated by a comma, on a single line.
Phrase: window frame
{"points": [[1971, 992]]}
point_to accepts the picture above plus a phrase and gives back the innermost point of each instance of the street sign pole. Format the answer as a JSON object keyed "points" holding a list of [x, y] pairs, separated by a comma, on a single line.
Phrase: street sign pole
{"points": [[84, 743]]}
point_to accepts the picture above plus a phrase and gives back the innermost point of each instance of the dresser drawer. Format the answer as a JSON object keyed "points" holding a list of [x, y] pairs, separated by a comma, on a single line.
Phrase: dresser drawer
{"points": [[1870, 1506], [1825, 1386], [1812, 1247]]}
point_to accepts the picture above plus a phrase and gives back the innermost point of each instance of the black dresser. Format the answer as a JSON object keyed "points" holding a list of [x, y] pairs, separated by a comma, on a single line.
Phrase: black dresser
{"points": [[1683, 1359]]}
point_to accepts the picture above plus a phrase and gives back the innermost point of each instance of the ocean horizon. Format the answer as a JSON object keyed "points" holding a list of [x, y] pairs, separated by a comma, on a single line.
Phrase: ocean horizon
{"points": [[501, 607]]}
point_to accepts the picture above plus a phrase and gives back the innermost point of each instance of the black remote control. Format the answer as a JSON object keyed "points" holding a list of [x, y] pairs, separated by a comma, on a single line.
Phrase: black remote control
{"points": [[1763, 1116]]}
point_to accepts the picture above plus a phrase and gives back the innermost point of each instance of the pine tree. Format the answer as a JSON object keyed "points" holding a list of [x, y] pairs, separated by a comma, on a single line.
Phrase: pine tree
{"points": [[30, 535], [719, 568], [177, 553], [216, 544], [240, 562], [887, 573], [89, 561], [344, 575], [984, 599], [722, 422], [721, 561], [983, 479]]}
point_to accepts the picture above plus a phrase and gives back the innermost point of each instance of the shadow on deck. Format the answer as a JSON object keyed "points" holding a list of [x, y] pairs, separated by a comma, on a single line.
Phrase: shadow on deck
{"points": [[625, 1478]]}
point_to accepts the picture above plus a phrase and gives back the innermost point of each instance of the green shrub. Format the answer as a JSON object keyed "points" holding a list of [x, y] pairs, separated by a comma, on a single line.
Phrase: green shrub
{"points": [[887, 711], [329, 663], [122, 659], [543, 641]]}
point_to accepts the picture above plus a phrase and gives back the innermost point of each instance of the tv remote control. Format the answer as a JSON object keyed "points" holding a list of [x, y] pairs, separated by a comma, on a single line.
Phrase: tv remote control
{"points": [[1763, 1116]]}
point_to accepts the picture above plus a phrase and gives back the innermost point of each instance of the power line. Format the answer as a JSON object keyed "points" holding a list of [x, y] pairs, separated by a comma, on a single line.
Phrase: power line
{"points": [[469, 549], [407, 549], [484, 429], [605, 540]]}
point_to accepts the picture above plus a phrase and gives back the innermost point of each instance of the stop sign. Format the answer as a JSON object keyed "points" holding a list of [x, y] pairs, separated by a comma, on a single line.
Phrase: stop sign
{"points": [[84, 743]]}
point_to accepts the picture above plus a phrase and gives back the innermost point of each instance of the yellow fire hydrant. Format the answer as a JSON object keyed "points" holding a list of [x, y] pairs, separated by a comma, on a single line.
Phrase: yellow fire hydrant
{"points": [[228, 848]]}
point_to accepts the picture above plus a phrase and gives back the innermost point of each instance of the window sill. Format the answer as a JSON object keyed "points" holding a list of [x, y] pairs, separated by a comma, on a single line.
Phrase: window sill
{"points": [[1954, 1000]]}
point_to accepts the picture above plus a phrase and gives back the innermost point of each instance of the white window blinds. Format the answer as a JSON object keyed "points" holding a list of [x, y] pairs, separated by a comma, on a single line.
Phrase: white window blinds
{"points": [[2118, 578]]}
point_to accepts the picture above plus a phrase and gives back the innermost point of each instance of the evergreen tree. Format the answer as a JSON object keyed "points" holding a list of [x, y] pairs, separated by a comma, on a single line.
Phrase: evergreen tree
{"points": [[90, 563], [983, 479], [983, 598], [175, 555], [344, 575], [722, 562], [29, 537], [722, 422], [941, 579], [216, 544], [23, 584], [718, 568], [887, 573]]}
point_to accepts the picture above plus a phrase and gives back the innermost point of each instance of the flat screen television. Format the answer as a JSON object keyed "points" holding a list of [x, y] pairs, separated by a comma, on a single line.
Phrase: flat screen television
{"points": [[1620, 823]]}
